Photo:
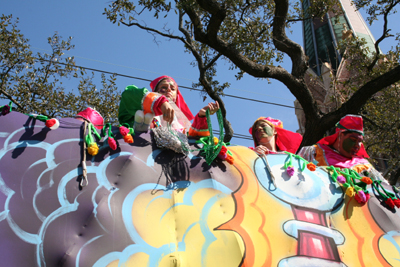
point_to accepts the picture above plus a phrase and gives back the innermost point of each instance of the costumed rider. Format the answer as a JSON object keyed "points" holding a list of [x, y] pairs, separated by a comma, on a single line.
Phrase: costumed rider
{"points": [[139, 106], [270, 138], [343, 149]]}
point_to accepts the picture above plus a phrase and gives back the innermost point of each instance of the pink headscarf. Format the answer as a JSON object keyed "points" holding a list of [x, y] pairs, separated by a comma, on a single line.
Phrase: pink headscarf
{"points": [[351, 123], [180, 101]]}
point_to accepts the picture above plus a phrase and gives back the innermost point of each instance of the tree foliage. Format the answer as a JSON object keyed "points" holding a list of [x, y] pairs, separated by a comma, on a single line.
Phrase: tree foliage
{"points": [[251, 34], [381, 112], [34, 83]]}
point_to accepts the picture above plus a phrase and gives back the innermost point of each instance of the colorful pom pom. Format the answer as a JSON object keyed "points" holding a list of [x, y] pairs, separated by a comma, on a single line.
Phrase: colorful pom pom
{"points": [[350, 191], [230, 159], [223, 150], [215, 140], [93, 149], [397, 202], [123, 130], [366, 180], [389, 202], [367, 196], [341, 179], [222, 156], [5, 110], [52, 124], [361, 195], [112, 143], [359, 199], [290, 171], [128, 139], [311, 166]]}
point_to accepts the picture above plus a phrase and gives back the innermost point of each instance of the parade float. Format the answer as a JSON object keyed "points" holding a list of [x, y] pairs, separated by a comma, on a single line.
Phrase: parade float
{"points": [[74, 195]]}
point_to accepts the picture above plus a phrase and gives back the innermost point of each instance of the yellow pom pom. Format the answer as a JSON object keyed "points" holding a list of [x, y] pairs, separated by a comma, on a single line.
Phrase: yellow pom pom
{"points": [[93, 149], [350, 191], [215, 140]]}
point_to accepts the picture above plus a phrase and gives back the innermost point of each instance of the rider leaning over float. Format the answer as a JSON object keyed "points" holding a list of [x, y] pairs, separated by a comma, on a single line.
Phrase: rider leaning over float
{"points": [[343, 149], [138, 106]]}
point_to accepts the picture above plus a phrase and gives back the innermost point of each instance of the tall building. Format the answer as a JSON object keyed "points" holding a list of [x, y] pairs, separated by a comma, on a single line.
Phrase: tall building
{"points": [[321, 37]]}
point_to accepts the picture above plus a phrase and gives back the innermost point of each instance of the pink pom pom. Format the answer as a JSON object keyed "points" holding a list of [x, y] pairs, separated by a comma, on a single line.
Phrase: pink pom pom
{"points": [[341, 179], [123, 130], [361, 195], [222, 156], [112, 143], [290, 170]]}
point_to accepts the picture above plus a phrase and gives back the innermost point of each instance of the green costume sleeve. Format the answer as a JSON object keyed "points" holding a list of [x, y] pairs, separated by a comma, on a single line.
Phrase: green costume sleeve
{"points": [[131, 101]]}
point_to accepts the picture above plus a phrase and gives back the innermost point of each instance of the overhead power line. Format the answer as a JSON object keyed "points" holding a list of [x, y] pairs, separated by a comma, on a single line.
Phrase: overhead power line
{"points": [[240, 136], [157, 73], [180, 86]]}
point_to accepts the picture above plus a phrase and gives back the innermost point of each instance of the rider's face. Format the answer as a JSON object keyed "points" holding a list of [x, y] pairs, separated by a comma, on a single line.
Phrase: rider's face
{"points": [[167, 88], [350, 143]]}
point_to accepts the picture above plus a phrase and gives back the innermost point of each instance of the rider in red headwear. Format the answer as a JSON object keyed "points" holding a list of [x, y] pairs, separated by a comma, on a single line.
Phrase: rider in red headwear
{"points": [[343, 149], [270, 137], [137, 103]]}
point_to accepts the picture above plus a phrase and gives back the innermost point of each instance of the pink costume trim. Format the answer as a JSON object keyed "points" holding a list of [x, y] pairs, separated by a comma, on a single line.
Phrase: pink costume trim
{"points": [[333, 158]]}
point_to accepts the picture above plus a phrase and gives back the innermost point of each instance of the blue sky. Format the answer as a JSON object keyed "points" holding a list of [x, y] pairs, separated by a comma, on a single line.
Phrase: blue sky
{"points": [[102, 45]]}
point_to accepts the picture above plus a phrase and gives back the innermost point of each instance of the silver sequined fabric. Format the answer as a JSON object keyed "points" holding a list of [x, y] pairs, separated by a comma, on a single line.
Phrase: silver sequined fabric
{"points": [[171, 139]]}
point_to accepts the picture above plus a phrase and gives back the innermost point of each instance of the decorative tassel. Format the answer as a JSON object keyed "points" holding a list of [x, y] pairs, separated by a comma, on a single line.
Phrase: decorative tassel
{"points": [[311, 166], [362, 197], [215, 139], [112, 143], [389, 202], [126, 133], [93, 149], [110, 140], [290, 171], [230, 159], [350, 191], [53, 124], [123, 130], [366, 180], [397, 202], [289, 166], [5, 109], [223, 151], [341, 179], [367, 196], [222, 156], [128, 139]]}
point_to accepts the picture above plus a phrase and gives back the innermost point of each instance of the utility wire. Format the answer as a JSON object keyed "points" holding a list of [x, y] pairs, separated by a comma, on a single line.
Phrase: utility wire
{"points": [[129, 67], [180, 86], [239, 136]]}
